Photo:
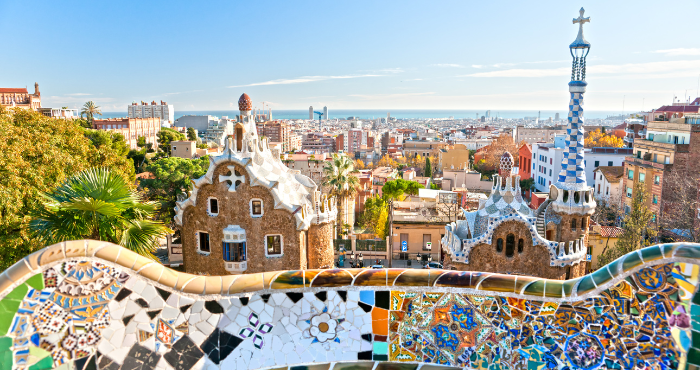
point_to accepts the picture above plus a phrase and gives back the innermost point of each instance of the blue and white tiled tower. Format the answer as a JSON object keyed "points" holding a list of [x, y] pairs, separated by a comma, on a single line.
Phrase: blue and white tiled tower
{"points": [[573, 174], [571, 195]]}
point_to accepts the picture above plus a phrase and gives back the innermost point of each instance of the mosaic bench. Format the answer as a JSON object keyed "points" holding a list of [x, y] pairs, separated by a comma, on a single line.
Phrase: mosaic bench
{"points": [[94, 305]]}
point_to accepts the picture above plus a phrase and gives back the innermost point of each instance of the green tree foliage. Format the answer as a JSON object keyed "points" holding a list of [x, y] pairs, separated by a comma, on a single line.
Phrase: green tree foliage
{"points": [[173, 176], [637, 227], [396, 189], [37, 153], [97, 204], [165, 136], [141, 141], [375, 216], [191, 134], [527, 184], [339, 177], [428, 172]]}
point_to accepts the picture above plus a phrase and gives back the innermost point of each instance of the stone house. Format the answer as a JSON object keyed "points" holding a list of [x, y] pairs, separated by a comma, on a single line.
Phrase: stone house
{"points": [[250, 213], [506, 236]]}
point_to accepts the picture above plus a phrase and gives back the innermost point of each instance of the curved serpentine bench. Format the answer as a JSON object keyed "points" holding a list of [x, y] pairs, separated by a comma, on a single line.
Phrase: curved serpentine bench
{"points": [[90, 304]]}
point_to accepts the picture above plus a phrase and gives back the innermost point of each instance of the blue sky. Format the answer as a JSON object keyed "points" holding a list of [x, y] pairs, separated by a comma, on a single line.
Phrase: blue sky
{"points": [[349, 54]]}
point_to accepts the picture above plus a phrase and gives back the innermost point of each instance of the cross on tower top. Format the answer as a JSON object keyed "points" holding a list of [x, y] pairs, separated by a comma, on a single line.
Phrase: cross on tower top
{"points": [[581, 20], [580, 42]]}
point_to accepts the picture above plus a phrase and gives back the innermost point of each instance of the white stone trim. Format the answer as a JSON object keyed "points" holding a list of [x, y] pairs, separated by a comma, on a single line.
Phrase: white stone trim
{"points": [[262, 207], [281, 246], [218, 207], [196, 237]]}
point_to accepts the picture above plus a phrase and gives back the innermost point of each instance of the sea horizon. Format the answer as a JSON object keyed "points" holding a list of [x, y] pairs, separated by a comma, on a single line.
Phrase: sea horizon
{"points": [[396, 113]]}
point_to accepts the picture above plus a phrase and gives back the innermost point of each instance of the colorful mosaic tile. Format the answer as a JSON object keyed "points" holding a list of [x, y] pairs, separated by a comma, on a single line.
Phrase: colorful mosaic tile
{"points": [[84, 314]]}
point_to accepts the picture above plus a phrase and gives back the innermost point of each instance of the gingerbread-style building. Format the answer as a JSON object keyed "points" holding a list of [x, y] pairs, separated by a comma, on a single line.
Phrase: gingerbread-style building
{"points": [[250, 213], [504, 235]]}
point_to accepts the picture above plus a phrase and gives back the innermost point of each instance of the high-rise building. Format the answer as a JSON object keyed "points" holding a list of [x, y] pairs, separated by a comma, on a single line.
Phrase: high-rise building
{"points": [[556, 116], [163, 111], [311, 112], [275, 132], [325, 113]]}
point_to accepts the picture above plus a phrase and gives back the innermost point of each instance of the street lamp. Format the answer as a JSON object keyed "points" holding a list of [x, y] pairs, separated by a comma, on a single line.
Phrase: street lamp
{"points": [[361, 260]]}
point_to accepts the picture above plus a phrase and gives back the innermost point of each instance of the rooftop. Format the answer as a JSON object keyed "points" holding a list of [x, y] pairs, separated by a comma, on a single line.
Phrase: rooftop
{"points": [[19, 90], [611, 173]]}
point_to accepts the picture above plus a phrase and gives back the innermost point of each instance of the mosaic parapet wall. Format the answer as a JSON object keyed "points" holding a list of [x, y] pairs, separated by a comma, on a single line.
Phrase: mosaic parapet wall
{"points": [[95, 305]]}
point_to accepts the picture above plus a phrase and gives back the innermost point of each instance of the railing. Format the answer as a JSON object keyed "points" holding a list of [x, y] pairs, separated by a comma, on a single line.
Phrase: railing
{"points": [[80, 297], [370, 245], [345, 243], [639, 161]]}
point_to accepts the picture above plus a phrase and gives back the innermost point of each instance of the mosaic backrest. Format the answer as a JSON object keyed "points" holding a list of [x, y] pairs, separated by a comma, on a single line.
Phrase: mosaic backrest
{"points": [[94, 305]]}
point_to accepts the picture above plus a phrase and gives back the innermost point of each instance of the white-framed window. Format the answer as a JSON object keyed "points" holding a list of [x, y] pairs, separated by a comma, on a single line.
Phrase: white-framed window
{"points": [[274, 244], [212, 206], [256, 207], [202, 240]]}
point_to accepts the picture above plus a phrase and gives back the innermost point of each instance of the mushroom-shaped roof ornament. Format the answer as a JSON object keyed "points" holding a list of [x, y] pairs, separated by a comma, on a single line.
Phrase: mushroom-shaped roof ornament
{"points": [[506, 165], [244, 103]]}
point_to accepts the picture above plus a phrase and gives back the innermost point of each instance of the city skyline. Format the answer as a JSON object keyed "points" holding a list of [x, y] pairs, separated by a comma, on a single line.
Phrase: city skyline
{"points": [[371, 56]]}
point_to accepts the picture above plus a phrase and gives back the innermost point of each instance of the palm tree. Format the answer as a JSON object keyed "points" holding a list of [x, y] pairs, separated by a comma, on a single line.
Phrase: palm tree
{"points": [[338, 176], [90, 110], [98, 204]]}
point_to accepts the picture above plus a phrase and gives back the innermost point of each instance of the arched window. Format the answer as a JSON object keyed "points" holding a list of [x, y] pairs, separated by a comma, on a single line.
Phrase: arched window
{"points": [[510, 245], [573, 224], [521, 243], [499, 245]]}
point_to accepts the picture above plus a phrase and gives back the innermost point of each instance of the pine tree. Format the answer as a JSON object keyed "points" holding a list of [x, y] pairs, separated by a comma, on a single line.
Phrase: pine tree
{"points": [[428, 169], [637, 228]]}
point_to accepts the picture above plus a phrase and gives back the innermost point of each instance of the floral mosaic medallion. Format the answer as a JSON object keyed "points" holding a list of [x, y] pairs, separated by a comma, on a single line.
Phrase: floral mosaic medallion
{"points": [[584, 351], [256, 330], [323, 328]]}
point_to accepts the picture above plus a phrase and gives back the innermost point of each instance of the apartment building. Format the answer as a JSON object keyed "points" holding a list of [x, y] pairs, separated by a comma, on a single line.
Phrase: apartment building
{"points": [[318, 142], [423, 148], [533, 135], [670, 144], [547, 159], [163, 111], [276, 131], [132, 129]]}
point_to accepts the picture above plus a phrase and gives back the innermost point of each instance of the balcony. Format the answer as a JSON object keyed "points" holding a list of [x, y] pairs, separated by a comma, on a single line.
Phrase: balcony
{"points": [[646, 163], [677, 125], [648, 145], [236, 267]]}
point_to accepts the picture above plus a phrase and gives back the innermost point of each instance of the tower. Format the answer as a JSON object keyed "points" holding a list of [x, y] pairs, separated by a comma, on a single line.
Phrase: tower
{"points": [[325, 113], [572, 198], [36, 89], [311, 113]]}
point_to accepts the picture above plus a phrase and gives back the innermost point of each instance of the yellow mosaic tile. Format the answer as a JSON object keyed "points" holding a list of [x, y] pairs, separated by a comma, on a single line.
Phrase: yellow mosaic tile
{"points": [[74, 248], [54, 253], [212, 285], [247, 283]]}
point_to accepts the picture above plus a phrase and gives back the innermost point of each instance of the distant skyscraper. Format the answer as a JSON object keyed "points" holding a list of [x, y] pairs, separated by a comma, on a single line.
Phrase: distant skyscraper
{"points": [[556, 116], [325, 113], [388, 116], [163, 111], [311, 112]]}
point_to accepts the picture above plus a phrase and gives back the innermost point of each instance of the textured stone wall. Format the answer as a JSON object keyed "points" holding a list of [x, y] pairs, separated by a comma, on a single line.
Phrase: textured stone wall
{"points": [[234, 209], [532, 261], [94, 305], [564, 231], [320, 246]]}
